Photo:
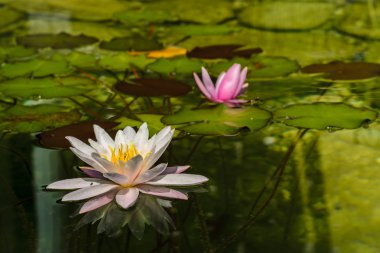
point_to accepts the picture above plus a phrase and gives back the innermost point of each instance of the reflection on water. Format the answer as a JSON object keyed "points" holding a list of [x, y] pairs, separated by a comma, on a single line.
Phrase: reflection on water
{"points": [[274, 186]]}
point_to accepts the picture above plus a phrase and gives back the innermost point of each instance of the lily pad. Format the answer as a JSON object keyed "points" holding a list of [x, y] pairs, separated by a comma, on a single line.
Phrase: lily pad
{"points": [[345, 71], [83, 131], [82, 60], [30, 119], [153, 88], [325, 116], [56, 41], [259, 66], [122, 61], [222, 51], [143, 16], [8, 16], [46, 87], [134, 43], [77, 9], [358, 21], [15, 53], [180, 65], [35, 67], [219, 120], [287, 15]]}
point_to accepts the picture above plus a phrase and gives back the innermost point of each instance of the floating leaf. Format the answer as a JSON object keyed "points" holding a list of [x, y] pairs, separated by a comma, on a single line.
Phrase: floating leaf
{"points": [[219, 120], [30, 119], [83, 131], [122, 61], [135, 17], [46, 87], [329, 116], [360, 21], [134, 43], [287, 15], [14, 53], [153, 88], [56, 41], [337, 70], [222, 51], [82, 60], [8, 16], [180, 65], [35, 67]]}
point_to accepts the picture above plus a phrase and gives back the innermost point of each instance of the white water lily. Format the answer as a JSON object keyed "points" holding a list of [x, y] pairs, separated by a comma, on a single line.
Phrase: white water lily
{"points": [[121, 169]]}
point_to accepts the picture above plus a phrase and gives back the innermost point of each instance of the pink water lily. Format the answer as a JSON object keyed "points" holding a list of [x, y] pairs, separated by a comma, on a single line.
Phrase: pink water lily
{"points": [[121, 169], [227, 88]]}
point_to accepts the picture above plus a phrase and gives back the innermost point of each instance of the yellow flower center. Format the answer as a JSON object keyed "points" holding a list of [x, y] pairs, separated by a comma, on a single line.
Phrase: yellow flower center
{"points": [[123, 154]]}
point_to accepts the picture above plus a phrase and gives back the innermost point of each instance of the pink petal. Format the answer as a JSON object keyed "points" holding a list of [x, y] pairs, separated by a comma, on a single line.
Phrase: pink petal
{"points": [[242, 77], [127, 197], [89, 192], [220, 79], [201, 86], [208, 82], [162, 192], [175, 169], [73, 183], [178, 180], [227, 87], [97, 202], [117, 178]]}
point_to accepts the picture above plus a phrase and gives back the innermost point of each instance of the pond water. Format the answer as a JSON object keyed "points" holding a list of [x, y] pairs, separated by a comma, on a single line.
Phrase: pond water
{"points": [[292, 168]]}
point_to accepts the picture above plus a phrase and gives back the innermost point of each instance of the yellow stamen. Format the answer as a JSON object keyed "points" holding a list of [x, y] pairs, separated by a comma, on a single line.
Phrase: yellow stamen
{"points": [[121, 154]]}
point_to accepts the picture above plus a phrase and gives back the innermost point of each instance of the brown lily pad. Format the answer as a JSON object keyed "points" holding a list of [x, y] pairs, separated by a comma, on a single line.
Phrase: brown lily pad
{"points": [[135, 43], [337, 70], [56, 41], [84, 130], [222, 51], [153, 88]]}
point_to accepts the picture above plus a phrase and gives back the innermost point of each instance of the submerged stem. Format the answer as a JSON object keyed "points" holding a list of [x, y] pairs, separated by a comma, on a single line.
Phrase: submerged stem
{"points": [[277, 174]]}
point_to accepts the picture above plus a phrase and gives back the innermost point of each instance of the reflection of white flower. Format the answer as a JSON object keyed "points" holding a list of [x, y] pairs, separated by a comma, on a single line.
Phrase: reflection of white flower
{"points": [[121, 169]]}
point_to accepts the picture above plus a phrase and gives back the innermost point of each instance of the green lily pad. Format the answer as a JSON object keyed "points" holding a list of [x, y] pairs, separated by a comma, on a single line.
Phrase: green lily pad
{"points": [[153, 87], [134, 43], [345, 71], [82, 60], [8, 17], [14, 53], [179, 65], [102, 31], [35, 67], [325, 116], [135, 17], [56, 41], [219, 120], [30, 119], [194, 11], [122, 61], [315, 46], [287, 15], [46, 87], [259, 66], [358, 21], [77, 9]]}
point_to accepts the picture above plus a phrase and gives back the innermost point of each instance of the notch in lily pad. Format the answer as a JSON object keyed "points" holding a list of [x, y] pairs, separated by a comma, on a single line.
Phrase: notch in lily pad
{"points": [[325, 116], [55, 138], [338, 70], [223, 52], [136, 43], [55, 41], [154, 87], [219, 120]]}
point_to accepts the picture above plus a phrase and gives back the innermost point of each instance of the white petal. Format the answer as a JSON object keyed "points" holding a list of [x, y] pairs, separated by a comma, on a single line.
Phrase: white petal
{"points": [[120, 142], [175, 169], [129, 133], [89, 192], [151, 173], [132, 167], [127, 197], [87, 159], [161, 192], [97, 202], [117, 178], [178, 180], [80, 145], [73, 183], [103, 138], [107, 165], [99, 148], [141, 136]]}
